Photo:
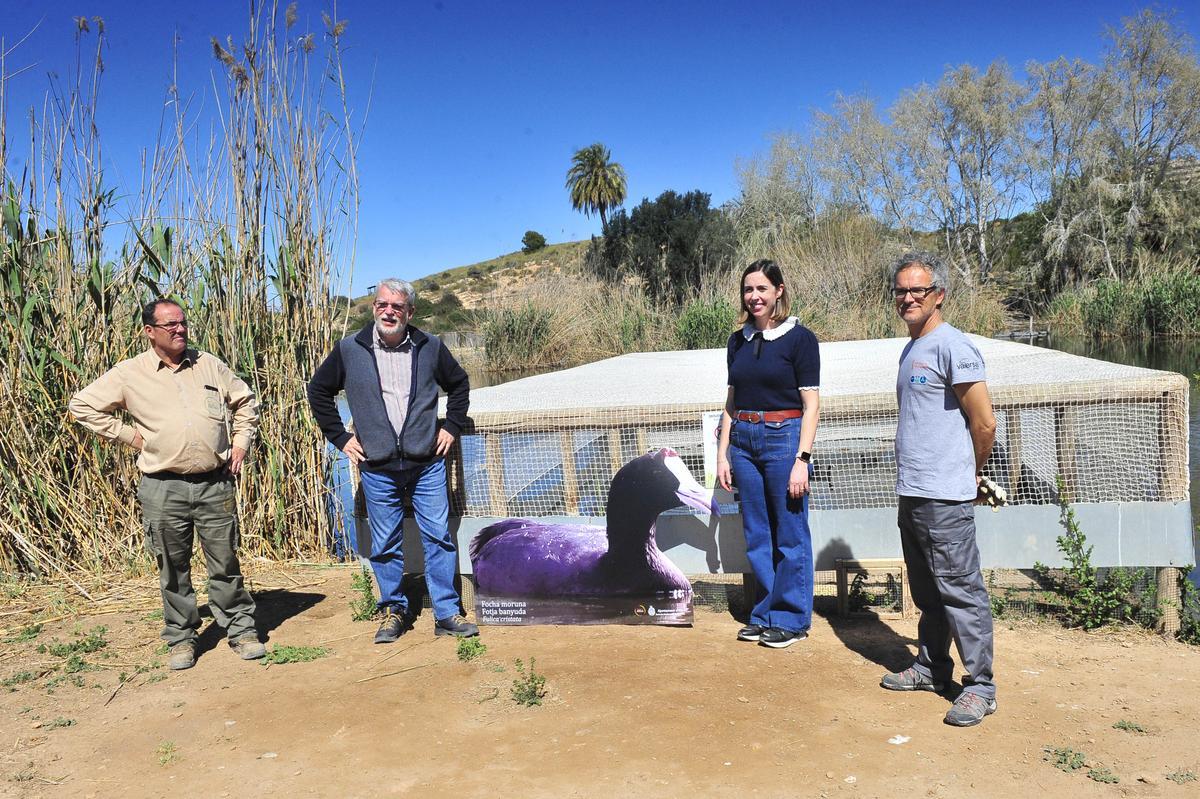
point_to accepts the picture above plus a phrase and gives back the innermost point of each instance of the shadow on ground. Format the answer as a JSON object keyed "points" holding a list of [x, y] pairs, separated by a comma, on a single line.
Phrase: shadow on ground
{"points": [[274, 607]]}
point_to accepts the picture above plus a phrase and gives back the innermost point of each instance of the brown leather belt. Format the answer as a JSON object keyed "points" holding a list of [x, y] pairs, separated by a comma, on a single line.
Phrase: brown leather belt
{"points": [[754, 417]]}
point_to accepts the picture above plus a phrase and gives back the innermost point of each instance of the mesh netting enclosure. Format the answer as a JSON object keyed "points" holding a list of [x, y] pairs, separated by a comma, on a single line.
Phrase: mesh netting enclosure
{"points": [[549, 445]]}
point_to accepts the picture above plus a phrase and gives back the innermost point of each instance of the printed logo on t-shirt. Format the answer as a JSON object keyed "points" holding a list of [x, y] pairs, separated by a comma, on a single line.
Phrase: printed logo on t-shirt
{"points": [[967, 365], [917, 379]]}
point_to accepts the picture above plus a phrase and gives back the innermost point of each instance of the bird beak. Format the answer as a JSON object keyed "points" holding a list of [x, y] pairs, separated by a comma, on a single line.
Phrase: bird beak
{"points": [[690, 492]]}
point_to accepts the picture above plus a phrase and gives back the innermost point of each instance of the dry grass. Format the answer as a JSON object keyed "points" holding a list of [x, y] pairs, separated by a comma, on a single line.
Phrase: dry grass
{"points": [[839, 276]]}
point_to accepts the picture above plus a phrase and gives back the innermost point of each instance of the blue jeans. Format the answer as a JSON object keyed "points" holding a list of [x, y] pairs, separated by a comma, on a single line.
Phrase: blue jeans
{"points": [[384, 493], [778, 541]]}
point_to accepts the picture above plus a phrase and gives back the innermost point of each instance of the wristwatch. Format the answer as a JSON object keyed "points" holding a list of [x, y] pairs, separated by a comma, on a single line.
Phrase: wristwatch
{"points": [[804, 456]]}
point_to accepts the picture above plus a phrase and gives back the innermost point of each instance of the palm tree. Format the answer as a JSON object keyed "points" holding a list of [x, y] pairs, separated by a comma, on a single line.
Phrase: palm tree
{"points": [[596, 184]]}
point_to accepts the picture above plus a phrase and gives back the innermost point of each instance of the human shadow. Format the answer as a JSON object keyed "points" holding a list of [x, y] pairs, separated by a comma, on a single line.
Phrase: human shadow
{"points": [[705, 533], [272, 608], [866, 634]]}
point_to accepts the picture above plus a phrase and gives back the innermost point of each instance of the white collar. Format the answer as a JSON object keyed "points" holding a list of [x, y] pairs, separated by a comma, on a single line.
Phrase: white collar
{"points": [[750, 331]]}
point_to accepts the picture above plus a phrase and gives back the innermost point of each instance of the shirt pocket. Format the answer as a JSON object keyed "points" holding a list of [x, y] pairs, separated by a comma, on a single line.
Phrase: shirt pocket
{"points": [[214, 403], [953, 550]]}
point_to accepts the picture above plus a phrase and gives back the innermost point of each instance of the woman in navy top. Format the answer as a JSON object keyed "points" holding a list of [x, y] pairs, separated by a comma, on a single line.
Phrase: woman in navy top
{"points": [[767, 434]]}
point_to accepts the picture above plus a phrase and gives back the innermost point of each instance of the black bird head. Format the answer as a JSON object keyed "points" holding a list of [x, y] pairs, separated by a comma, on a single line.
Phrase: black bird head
{"points": [[656, 482]]}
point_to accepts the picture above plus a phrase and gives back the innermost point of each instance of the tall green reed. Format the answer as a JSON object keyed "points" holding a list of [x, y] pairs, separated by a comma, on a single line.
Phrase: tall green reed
{"points": [[250, 231]]}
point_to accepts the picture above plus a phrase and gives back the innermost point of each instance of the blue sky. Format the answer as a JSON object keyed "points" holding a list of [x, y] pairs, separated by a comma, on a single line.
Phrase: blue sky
{"points": [[476, 107]]}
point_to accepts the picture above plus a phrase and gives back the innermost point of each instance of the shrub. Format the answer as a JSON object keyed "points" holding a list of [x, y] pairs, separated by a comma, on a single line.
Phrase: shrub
{"points": [[668, 244], [706, 324], [532, 241], [1090, 603], [519, 337]]}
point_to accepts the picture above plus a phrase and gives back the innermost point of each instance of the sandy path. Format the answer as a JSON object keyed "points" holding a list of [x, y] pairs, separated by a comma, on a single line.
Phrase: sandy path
{"points": [[646, 712]]}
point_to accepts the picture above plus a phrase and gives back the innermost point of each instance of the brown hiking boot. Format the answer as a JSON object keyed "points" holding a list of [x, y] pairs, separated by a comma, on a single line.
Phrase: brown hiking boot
{"points": [[248, 647], [182, 656]]}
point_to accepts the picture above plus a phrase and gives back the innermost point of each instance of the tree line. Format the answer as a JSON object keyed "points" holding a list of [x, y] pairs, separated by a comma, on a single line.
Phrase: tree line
{"points": [[1074, 173]]}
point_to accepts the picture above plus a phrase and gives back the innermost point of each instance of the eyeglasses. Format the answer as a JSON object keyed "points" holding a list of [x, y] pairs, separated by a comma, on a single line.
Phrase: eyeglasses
{"points": [[172, 326], [919, 293], [380, 305]]}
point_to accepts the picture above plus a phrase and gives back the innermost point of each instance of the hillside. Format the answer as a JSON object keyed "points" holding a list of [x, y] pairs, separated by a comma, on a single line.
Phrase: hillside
{"points": [[447, 300]]}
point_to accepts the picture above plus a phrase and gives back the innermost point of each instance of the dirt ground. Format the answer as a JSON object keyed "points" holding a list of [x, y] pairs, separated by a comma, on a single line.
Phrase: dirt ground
{"points": [[629, 711]]}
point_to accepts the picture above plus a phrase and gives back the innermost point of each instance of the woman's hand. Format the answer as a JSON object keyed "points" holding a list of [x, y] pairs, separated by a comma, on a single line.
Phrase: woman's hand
{"points": [[798, 481], [724, 476]]}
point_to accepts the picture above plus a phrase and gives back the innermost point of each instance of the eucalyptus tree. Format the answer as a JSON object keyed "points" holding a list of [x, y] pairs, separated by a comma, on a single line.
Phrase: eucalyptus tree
{"points": [[1153, 121], [780, 195], [595, 182], [860, 162], [960, 144]]}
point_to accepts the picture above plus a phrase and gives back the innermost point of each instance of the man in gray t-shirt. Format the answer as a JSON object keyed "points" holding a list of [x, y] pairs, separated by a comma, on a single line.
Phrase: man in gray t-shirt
{"points": [[944, 436]]}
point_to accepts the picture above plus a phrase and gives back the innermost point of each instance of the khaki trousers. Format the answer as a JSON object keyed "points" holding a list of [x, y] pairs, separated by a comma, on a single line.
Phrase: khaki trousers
{"points": [[175, 509]]}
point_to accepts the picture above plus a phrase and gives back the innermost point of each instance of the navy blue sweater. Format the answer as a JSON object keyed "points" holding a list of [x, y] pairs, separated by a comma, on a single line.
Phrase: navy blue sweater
{"points": [[768, 375], [351, 366]]}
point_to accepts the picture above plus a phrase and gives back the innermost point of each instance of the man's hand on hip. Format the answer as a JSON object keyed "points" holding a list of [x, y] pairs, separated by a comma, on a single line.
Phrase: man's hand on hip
{"points": [[445, 440], [354, 451], [236, 456]]}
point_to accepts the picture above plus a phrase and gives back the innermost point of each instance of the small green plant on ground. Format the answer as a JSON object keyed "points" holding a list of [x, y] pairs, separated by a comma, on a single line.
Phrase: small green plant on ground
{"points": [[469, 649], [19, 678], [1103, 775], [1090, 603], [1180, 776], [294, 654], [858, 597], [154, 615], [528, 688], [1064, 758], [27, 633], [362, 606], [58, 722], [167, 753], [93, 641], [1129, 726]]}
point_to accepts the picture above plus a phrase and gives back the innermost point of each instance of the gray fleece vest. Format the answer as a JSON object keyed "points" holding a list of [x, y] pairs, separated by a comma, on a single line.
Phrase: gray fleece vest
{"points": [[379, 441]]}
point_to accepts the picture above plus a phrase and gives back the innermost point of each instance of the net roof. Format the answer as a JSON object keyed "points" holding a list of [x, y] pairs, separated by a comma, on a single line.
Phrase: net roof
{"points": [[848, 369], [550, 444]]}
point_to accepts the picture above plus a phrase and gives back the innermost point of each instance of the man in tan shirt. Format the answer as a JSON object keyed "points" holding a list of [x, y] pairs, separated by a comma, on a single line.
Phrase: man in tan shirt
{"points": [[178, 400]]}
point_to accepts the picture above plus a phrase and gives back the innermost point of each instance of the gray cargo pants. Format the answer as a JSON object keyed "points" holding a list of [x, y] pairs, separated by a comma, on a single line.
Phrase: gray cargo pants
{"points": [[938, 537], [175, 508]]}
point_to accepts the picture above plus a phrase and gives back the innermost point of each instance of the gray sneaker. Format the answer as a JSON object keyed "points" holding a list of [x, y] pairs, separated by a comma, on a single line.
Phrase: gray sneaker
{"points": [[910, 680], [248, 647], [969, 709], [455, 625], [182, 656]]}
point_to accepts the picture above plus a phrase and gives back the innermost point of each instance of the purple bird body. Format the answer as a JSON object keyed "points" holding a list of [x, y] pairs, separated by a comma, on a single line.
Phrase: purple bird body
{"points": [[525, 557]]}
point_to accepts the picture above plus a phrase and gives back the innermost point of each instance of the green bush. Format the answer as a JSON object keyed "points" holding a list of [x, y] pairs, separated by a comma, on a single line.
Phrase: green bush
{"points": [[1090, 602], [532, 241], [1172, 304], [519, 337], [706, 324], [1166, 304], [670, 244]]}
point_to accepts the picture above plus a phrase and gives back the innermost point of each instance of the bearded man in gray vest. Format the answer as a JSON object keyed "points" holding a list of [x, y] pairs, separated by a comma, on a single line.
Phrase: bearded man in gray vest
{"points": [[391, 372], [944, 436]]}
